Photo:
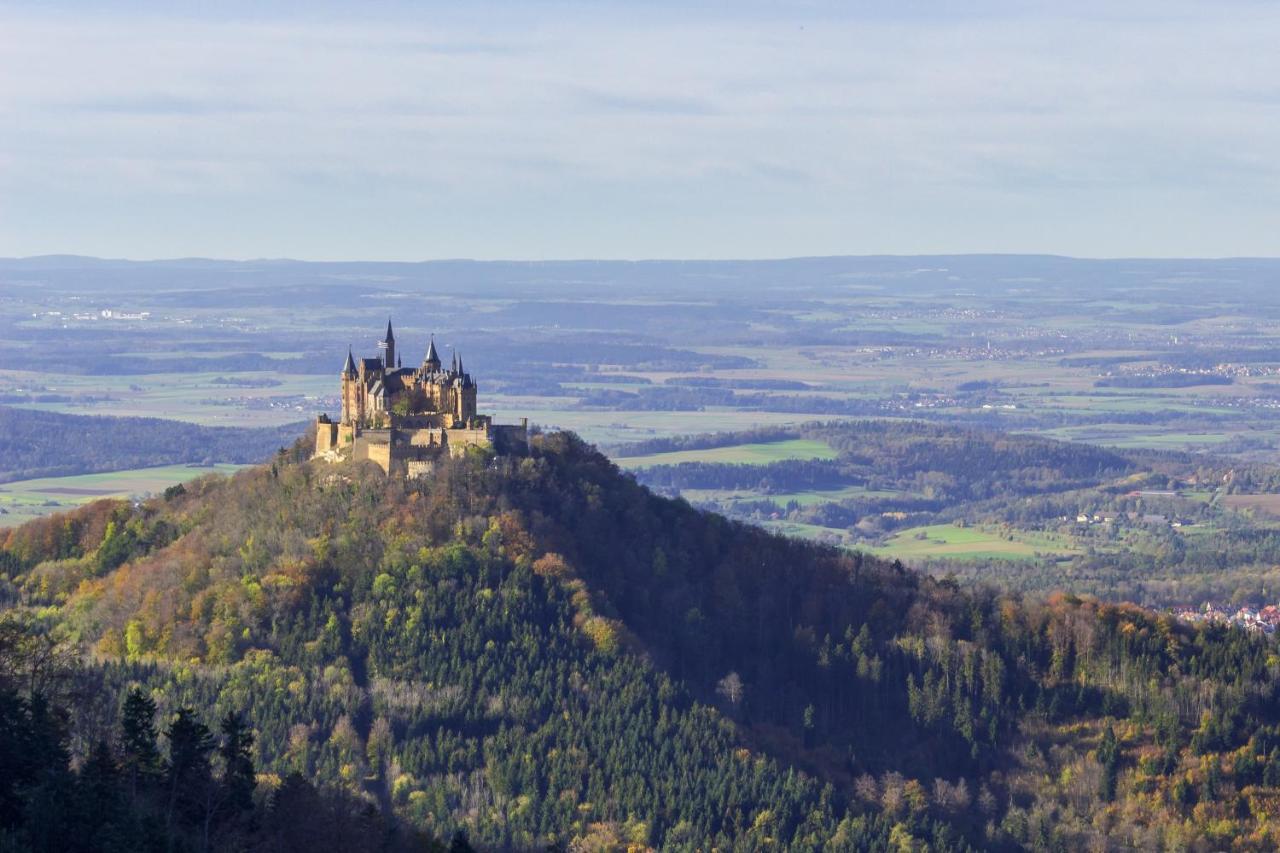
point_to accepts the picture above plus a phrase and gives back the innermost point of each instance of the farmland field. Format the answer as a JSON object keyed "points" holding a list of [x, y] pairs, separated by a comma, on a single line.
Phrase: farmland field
{"points": [[26, 499], [1267, 505]]}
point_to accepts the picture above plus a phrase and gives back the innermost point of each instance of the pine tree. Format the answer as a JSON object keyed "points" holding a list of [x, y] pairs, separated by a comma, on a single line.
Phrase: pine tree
{"points": [[1109, 758], [238, 777], [141, 757], [189, 777]]}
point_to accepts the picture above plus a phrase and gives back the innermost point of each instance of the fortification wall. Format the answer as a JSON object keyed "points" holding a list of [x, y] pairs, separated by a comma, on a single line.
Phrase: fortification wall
{"points": [[326, 436]]}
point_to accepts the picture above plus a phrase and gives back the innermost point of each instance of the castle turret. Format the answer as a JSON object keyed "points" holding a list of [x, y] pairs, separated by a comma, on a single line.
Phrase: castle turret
{"points": [[431, 363], [388, 346]]}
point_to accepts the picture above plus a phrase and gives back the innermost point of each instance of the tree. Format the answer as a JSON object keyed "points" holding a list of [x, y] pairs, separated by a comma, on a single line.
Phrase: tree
{"points": [[141, 758], [731, 688], [189, 777], [238, 777], [1109, 758]]}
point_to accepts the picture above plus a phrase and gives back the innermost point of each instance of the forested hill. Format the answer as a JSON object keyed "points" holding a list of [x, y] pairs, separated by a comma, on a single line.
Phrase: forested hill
{"points": [[48, 444], [539, 651]]}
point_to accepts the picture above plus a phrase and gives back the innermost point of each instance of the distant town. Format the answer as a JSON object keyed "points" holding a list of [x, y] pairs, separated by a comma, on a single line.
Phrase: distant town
{"points": [[1264, 620]]}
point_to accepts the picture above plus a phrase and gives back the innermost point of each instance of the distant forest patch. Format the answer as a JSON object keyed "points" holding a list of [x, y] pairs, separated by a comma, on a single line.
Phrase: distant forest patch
{"points": [[49, 444]]}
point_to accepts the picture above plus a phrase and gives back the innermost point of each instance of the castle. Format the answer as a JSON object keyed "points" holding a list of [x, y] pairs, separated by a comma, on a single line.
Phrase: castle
{"points": [[404, 418]]}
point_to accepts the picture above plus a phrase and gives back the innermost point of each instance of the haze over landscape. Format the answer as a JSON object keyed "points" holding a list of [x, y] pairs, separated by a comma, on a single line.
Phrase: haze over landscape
{"points": [[621, 427]]}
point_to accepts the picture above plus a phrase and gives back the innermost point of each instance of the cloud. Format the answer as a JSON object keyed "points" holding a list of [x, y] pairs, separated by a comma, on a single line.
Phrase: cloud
{"points": [[615, 130]]}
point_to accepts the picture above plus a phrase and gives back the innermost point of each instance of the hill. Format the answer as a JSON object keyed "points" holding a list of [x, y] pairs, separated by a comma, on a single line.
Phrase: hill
{"points": [[48, 444], [540, 651]]}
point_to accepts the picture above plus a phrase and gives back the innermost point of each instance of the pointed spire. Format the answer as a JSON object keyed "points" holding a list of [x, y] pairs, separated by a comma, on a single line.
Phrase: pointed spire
{"points": [[460, 370], [390, 336], [432, 361], [349, 366], [455, 361]]}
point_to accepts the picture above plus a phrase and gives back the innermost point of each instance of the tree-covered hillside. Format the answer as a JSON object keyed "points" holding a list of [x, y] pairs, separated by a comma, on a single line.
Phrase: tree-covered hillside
{"points": [[539, 651], [48, 444]]}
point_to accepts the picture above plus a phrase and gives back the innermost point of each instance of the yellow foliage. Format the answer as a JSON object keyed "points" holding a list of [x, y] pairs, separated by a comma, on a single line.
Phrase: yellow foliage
{"points": [[603, 633]]}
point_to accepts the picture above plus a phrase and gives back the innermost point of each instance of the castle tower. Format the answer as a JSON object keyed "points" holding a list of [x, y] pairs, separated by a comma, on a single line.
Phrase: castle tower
{"points": [[348, 389], [431, 363], [466, 394], [388, 347]]}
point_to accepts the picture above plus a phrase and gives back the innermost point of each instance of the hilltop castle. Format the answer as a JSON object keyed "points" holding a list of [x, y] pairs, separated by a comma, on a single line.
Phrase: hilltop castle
{"points": [[404, 418]]}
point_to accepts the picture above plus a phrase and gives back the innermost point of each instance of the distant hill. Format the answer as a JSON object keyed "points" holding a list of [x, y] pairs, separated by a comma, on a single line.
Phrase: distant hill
{"points": [[48, 444], [541, 652], [1048, 275]]}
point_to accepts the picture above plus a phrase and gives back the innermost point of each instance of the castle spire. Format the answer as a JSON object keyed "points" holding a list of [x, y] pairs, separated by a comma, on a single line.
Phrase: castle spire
{"points": [[388, 346], [431, 363], [349, 366], [455, 361]]}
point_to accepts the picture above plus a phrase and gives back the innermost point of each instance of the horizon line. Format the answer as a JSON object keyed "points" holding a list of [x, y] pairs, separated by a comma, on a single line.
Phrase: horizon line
{"points": [[70, 256]]}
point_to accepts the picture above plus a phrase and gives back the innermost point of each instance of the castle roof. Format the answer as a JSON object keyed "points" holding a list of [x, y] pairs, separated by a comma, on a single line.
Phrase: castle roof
{"points": [[390, 336], [349, 366], [371, 365], [431, 357]]}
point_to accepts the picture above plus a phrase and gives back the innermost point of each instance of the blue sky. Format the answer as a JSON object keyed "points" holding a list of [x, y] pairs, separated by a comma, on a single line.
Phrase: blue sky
{"points": [[631, 130]]}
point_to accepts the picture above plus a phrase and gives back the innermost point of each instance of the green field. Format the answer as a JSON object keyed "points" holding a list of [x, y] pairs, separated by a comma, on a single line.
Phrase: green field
{"points": [[974, 543], [748, 454], [24, 500]]}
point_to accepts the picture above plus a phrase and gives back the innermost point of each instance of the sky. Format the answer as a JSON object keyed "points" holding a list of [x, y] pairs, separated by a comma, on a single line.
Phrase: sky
{"points": [[532, 130]]}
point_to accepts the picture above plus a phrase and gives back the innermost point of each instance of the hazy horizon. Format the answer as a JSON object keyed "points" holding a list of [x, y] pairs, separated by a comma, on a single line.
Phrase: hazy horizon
{"points": [[706, 131], [631, 260]]}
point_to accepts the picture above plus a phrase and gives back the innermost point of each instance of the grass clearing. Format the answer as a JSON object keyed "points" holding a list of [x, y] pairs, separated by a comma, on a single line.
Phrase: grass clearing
{"points": [[974, 543]]}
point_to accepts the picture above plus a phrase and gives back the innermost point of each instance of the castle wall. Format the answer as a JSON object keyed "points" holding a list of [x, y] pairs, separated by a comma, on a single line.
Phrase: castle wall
{"points": [[512, 438], [375, 447], [460, 439], [326, 435], [416, 468], [426, 437]]}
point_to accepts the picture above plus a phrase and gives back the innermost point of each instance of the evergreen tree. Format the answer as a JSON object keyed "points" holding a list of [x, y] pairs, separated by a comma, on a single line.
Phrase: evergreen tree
{"points": [[140, 755], [188, 777], [238, 777], [1109, 758]]}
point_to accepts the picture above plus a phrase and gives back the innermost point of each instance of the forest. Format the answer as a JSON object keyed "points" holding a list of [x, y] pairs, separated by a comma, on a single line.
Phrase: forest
{"points": [[538, 652], [48, 444]]}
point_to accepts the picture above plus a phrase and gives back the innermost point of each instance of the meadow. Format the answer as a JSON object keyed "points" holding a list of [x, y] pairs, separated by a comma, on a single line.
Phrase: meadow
{"points": [[984, 542]]}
